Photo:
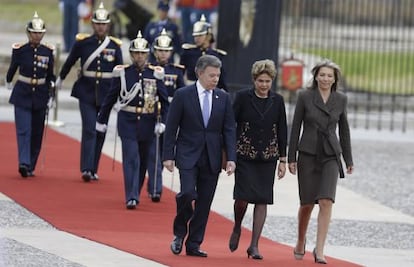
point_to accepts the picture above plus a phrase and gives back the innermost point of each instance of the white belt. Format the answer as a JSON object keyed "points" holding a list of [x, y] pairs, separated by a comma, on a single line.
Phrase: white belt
{"points": [[97, 74], [138, 110], [188, 82], [32, 81]]}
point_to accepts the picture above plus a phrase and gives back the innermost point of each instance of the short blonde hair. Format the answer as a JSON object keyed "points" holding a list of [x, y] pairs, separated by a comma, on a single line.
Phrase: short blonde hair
{"points": [[264, 66]]}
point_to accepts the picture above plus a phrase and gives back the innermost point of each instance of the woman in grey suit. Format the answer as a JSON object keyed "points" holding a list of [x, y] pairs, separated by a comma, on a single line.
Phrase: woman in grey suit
{"points": [[316, 154]]}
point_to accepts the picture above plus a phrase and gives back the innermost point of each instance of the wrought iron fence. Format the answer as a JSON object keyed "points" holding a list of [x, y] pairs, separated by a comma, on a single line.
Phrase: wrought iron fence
{"points": [[372, 41]]}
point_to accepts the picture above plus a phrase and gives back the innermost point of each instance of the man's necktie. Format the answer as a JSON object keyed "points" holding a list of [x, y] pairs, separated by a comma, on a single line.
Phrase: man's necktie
{"points": [[206, 108]]}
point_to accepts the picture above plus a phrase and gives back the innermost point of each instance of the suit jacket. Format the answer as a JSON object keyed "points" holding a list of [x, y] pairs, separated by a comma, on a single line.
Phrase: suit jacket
{"points": [[319, 122], [261, 135], [185, 136]]}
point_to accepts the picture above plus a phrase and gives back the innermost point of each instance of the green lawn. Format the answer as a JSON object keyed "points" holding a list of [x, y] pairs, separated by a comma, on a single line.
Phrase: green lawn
{"points": [[377, 72]]}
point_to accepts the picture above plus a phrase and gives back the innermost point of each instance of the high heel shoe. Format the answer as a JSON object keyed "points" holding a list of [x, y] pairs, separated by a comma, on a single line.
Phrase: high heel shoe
{"points": [[318, 260], [234, 240], [254, 254], [298, 255]]}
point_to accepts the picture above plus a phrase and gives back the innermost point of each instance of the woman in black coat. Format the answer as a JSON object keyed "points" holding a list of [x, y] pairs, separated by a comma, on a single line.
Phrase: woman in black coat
{"points": [[261, 140]]}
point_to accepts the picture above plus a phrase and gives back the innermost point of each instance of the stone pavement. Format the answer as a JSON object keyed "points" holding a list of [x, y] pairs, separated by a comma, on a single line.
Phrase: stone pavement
{"points": [[372, 222]]}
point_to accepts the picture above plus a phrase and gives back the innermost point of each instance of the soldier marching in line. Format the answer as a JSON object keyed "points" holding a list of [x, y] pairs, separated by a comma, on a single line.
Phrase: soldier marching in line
{"points": [[32, 94], [98, 54], [173, 79], [154, 28], [139, 94], [203, 38]]}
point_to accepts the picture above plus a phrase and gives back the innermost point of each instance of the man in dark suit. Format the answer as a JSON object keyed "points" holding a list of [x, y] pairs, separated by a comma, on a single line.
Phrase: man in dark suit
{"points": [[200, 126]]}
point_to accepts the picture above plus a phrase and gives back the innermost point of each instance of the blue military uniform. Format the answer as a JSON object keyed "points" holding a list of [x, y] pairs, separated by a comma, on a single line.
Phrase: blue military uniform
{"points": [[93, 83], [137, 117], [191, 53], [98, 56], [35, 74], [173, 80], [30, 96], [154, 28], [91, 87]]}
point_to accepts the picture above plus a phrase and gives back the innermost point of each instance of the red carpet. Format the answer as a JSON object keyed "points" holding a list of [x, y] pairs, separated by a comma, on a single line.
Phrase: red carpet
{"points": [[97, 211]]}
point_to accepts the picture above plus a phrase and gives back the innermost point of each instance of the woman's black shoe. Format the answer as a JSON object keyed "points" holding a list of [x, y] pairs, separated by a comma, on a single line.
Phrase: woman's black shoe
{"points": [[254, 253], [234, 240], [318, 260]]}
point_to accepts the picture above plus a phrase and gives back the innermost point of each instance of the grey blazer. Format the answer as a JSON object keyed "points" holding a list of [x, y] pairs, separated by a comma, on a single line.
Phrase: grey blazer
{"points": [[319, 122]]}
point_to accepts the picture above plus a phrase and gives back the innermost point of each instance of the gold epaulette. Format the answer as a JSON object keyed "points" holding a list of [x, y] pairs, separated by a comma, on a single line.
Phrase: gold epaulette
{"points": [[50, 46], [222, 52], [116, 40], [178, 66], [188, 46], [17, 45], [81, 36]]}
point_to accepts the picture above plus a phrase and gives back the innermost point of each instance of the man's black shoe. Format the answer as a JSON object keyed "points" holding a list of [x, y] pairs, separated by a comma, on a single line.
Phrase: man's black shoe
{"points": [[156, 197], [86, 176], [177, 245], [23, 170], [196, 253], [131, 204]]}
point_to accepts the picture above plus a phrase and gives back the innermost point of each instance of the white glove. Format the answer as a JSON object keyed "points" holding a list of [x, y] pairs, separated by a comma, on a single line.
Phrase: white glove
{"points": [[101, 127], [83, 10], [159, 73], [58, 83], [9, 85], [51, 103], [159, 128], [117, 106], [61, 6]]}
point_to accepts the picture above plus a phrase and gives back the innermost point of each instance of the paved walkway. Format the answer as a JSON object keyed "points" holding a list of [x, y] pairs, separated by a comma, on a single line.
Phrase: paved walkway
{"points": [[373, 219]]}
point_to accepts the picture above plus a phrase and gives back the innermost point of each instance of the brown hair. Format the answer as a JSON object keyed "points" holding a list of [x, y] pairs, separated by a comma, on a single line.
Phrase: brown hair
{"points": [[328, 64]]}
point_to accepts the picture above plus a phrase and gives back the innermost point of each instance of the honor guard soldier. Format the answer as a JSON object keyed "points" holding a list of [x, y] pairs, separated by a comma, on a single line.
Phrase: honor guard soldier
{"points": [[32, 93], [98, 54], [154, 28], [203, 38], [139, 94], [173, 79]]}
